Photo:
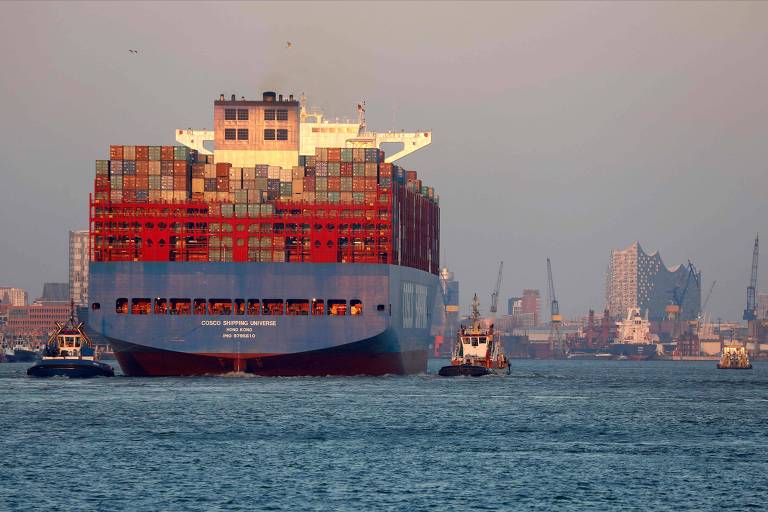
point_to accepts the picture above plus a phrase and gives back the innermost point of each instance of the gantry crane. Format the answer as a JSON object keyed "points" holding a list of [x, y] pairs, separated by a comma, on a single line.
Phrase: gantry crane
{"points": [[750, 313], [495, 294], [555, 320]]}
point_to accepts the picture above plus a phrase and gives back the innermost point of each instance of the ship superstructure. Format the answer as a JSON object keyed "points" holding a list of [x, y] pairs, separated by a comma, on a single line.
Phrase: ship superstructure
{"points": [[254, 257]]}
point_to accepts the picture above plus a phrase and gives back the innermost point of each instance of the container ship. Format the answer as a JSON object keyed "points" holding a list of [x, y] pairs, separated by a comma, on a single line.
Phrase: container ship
{"points": [[293, 247]]}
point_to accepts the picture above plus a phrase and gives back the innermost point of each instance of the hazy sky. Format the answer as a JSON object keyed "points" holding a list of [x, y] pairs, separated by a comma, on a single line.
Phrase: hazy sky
{"points": [[561, 130]]}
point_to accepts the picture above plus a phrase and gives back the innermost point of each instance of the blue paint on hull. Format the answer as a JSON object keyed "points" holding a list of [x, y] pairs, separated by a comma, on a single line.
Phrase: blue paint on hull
{"points": [[400, 330]]}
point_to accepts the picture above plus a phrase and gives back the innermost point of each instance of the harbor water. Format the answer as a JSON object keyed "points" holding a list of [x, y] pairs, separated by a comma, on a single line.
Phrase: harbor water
{"points": [[554, 435]]}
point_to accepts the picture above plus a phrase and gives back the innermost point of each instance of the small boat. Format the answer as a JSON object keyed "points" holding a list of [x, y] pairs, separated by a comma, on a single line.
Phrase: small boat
{"points": [[21, 351], [734, 357], [69, 353], [477, 352]]}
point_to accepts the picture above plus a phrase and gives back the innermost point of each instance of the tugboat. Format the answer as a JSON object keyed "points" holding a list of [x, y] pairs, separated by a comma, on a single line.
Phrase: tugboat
{"points": [[734, 358], [477, 352], [69, 353]]}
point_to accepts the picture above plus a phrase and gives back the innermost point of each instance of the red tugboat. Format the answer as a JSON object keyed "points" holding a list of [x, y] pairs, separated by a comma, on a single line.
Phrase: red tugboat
{"points": [[478, 351]]}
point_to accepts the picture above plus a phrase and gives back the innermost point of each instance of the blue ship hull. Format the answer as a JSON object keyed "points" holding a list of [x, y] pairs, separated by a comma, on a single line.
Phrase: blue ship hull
{"points": [[390, 336]]}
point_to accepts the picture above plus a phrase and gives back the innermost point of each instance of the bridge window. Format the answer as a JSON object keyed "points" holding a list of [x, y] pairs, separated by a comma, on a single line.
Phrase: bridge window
{"points": [[121, 306], [141, 306], [381, 308], [253, 306], [273, 307], [318, 307], [299, 307], [242, 134], [181, 306], [337, 307], [269, 115], [239, 306], [269, 134], [230, 114], [230, 134], [282, 115], [356, 307], [95, 306], [220, 306], [242, 114], [282, 134], [161, 306], [199, 306]]}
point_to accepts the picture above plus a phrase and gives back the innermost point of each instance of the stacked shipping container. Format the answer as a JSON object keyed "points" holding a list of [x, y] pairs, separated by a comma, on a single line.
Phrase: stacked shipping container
{"points": [[340, 205]]}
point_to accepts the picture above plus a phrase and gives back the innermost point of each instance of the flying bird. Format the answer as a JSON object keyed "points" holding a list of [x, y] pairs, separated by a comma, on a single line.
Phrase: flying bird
{"points": [[133, 51], [289, 44]]}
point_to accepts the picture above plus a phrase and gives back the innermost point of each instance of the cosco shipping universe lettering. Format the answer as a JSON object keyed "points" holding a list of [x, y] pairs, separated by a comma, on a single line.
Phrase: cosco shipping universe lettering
{"points": [[294, 247]]}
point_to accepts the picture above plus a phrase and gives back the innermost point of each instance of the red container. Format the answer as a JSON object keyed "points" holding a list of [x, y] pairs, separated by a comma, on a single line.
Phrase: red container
{"points": [[370, 184], [142, 152], [346, 169], [129, 183], [115, 152], [179, 167], [180, 183], [334, 184], [309, 184], [358, 184], [142, 167], [142, 182], [166, 165], [198, 170], [222, 170], [334, 154], [222, 184], [166, 153], [411, 176]]}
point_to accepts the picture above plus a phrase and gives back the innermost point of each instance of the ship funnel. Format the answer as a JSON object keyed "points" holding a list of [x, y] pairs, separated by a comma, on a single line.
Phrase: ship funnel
{"points": [[269, 96], [234, 97], [221, 97], [280, 97], [290, 97]]}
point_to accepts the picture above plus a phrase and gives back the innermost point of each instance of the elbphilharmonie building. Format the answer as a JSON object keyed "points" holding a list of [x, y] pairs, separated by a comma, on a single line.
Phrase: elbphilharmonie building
{"points": [[640, 280]]}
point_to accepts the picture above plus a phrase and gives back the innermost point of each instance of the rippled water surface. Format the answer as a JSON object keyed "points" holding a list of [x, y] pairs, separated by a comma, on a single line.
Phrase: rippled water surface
{"points": [[555, 435]]}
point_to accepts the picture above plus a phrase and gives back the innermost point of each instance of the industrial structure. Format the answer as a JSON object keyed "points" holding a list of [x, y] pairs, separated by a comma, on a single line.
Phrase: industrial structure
{"points": [[639, 280], [556, 346], [78, 267]]}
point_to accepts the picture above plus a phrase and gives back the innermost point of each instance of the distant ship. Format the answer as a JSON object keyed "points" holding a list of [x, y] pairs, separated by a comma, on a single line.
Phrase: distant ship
{"points": [[635, 340]]}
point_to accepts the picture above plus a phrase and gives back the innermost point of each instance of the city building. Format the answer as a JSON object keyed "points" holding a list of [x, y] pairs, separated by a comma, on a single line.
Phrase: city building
{"points": [[55, 292], [639, 280], [514, 306], [78, 267], [13, 296], [37, 319], [762, 306], [530, 311]]}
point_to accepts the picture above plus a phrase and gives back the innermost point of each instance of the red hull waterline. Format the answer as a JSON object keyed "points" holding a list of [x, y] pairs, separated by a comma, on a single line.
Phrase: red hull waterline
{"points": [[161, 363]]}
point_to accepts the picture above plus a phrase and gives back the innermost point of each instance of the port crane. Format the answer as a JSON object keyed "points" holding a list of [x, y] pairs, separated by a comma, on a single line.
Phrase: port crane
{"points": [[555, 336], [495, 294], [750, 313]]}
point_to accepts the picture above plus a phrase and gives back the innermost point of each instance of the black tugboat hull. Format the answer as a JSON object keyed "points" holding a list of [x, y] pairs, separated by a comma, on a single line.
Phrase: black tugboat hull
{"points": [[721, 367], [74, 369], [463, 370]]}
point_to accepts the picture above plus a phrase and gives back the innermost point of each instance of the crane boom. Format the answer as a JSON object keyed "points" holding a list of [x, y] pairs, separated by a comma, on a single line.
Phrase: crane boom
{"points": [[553, 305], [495, 294], [709, 294], [750, 313]]}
